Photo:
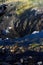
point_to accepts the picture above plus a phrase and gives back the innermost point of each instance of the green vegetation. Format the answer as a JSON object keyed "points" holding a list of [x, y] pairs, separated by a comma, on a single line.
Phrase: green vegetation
{"points": [[34, 45], [30, 3], [37, 2], [21, 8]]}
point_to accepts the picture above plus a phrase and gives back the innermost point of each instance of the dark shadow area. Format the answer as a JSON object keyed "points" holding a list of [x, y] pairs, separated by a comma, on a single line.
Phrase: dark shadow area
{"points": [[2, 9], [26, 58]]}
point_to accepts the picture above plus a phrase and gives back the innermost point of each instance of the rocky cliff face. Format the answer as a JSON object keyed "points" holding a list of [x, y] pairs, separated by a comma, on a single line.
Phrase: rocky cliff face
{"points": [[20, 25], [31, 20]]}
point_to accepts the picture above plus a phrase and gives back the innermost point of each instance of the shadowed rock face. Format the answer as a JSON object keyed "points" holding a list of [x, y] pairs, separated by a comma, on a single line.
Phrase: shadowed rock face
{"points": [[31, 20], [27, 22]]}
